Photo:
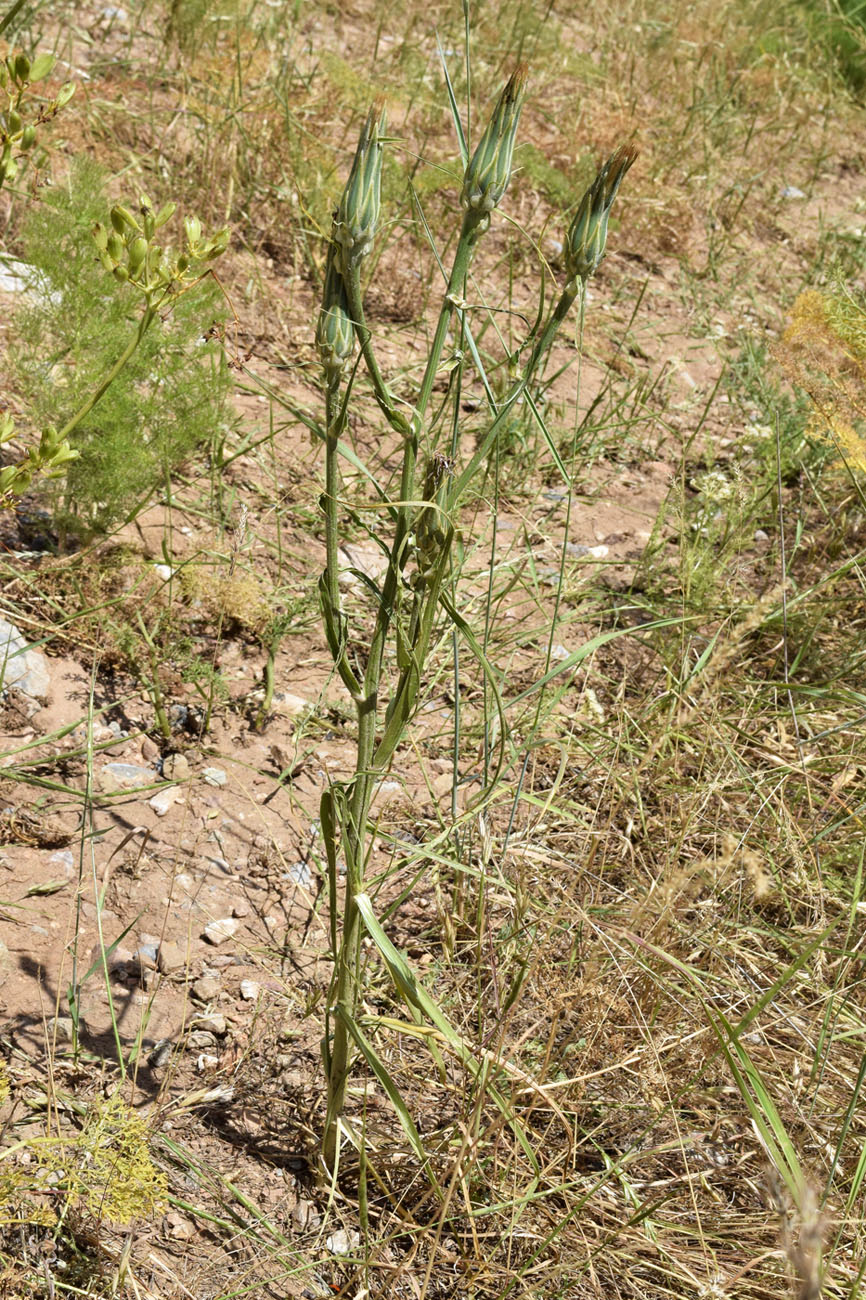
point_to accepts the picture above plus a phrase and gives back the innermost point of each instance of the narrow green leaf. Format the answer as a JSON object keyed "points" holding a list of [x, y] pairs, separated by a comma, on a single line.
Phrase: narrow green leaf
{"points": [[394, 1095], [475, 646], [589, 649], [9, 16], [417, 996], [455, 112]]}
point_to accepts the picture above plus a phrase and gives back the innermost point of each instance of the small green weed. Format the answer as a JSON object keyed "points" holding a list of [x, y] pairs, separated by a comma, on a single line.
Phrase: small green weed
{"points": [[165, 403]]}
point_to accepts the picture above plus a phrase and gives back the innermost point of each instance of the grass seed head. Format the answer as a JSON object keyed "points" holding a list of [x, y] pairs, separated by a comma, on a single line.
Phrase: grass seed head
{"points": [[587, 235], [489, 170], [357, 216]]}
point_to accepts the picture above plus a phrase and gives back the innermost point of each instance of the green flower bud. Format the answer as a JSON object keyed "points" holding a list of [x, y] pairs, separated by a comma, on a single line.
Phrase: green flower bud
{"points": [[215, 246], [123, 220], [357, 216], [486, 178], [136, 254], [148, 218], [114, 247], [14, 122], [28, 137], [165, 214], [335, 332], [192, 227], [587, 235], [42, 65], [22, 69]]}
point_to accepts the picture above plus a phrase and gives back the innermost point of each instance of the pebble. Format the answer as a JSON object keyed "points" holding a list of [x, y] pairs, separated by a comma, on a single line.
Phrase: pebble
{"points": [[201, 1038], [305, 1215], [250, 990], [26, 670], [369, 560], [343, 1242], [761, 536], [149, 750], [207, 988], [224, 959], [216, 932], [15, 276], [160, 1054], [206, 1062], [791, 192], [214, 776], [559, 652], [125, 776], [163, 799], [174, 1225], [62, 1028], [293, 706], [241, 908], [176, 768], [146, 955], [170, 958], [596, 552], [300, 873], [117, 960], [212, 1024]]}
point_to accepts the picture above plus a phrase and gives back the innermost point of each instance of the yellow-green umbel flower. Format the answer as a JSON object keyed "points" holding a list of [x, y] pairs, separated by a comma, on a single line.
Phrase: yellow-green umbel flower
{"points": [[486, 178], [335, 332], [357, 216], [587, 235]]}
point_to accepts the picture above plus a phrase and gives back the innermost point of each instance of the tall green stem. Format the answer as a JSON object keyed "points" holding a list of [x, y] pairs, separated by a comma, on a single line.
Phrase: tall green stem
{"points": [[345, 983]]}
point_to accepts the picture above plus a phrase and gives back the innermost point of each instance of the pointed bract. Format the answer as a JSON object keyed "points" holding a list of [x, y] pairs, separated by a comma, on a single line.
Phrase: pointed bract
{"points": [[335, 333], [587, 235], [357, 216], [486, 178]]}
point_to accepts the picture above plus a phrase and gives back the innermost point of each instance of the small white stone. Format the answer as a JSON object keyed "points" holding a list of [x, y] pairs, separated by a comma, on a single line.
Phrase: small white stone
{"points": [[25, 669], [342, 1242], [250, 990], [206, 1062], [212, 1024], [216, 932], [292, 706], [214, 775], [162, 800]]}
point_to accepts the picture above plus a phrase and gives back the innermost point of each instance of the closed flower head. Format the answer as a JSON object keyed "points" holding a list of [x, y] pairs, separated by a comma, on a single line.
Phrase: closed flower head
{"points": [[489, 169], [587, 235], [335, 333], [357, 216]]}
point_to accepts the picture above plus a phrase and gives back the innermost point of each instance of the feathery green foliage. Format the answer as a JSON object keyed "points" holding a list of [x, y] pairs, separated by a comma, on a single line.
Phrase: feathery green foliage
{"points": [[164, 404]]}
